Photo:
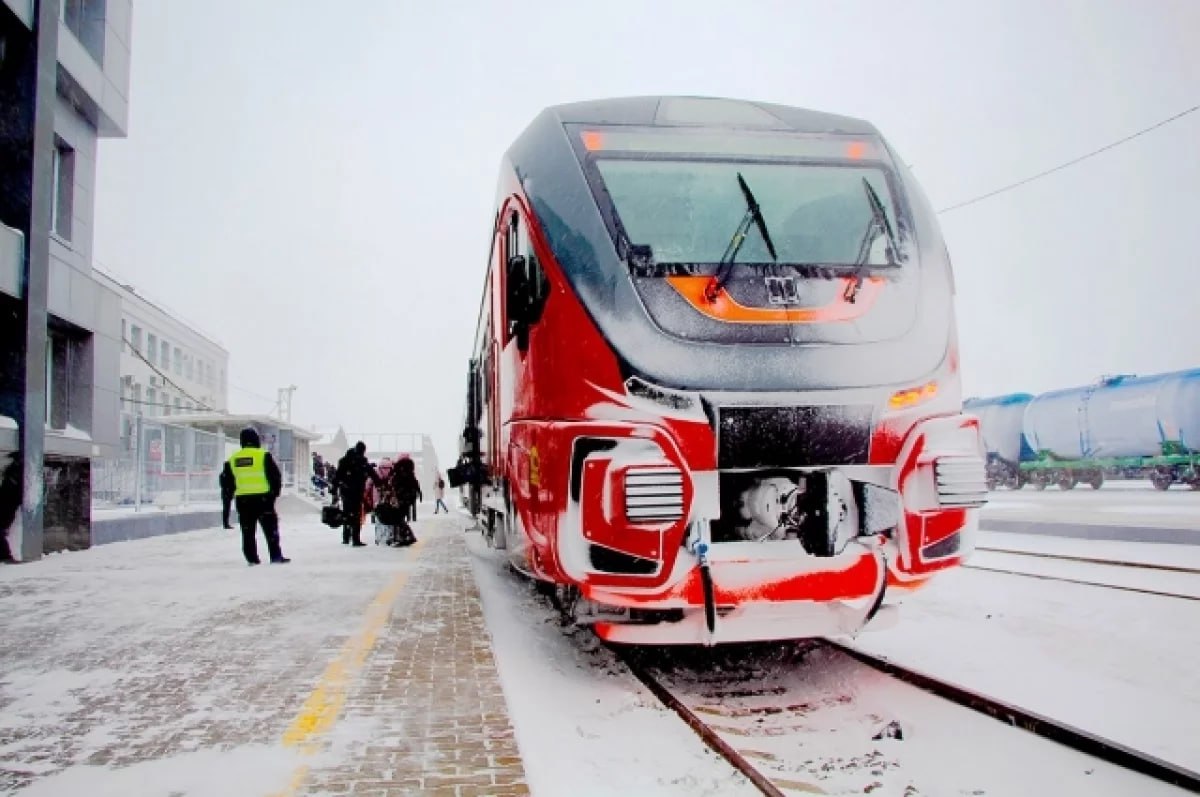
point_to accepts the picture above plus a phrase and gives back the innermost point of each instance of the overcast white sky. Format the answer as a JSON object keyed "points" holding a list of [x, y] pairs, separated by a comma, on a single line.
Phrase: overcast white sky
{"points": [[312, 182]]}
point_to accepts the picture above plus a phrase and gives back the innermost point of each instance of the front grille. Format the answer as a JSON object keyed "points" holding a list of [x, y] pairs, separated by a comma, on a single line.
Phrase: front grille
{"points": [[653, 494], [961, 481], [793, 437]]}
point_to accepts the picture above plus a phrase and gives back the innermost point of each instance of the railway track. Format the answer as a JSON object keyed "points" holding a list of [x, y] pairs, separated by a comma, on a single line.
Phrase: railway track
{"points": [[1116, 563], [785, 737], [1093, 560]]}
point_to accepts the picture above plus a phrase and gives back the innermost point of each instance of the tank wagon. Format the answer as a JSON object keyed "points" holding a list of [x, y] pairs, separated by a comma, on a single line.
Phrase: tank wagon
{"points": [[714, 394], [1120, 426], [1001, 420]]}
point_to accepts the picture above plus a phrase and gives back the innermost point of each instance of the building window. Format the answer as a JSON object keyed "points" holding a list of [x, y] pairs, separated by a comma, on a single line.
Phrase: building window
{"points": [[166, 356], [151, 347], [85, 18], [151, 400], [178, 405], [178, 362], [60, 350], [64, 188], [188, 367], [135, 338], [136, 398]]}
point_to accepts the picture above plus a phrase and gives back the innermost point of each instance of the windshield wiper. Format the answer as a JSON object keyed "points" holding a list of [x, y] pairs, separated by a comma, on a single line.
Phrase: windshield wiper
{"points": [[753, 216], [879, 224]]}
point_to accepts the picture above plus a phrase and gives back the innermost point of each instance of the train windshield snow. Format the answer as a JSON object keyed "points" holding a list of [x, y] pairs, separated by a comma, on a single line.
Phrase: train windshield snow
{"points": [[676, 197], [685, 210]]}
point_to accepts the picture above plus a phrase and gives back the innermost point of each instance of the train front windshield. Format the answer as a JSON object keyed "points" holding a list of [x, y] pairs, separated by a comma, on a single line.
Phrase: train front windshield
{"points": [[677, 196]]}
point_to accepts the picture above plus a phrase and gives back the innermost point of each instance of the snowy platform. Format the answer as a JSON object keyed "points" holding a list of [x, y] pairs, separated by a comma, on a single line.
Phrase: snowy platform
{"points": [[167, 666], [1121, 512]]}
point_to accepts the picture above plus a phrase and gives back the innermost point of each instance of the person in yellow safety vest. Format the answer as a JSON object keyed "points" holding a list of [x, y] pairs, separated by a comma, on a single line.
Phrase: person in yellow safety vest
{"points": [[257, 483]]}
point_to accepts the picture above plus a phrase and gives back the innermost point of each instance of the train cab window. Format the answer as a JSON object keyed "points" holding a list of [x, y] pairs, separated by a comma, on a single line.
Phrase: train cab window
{"points": [[527, 288]]}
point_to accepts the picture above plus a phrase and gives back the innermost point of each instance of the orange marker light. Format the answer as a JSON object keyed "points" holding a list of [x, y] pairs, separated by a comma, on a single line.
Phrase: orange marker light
{"points": [[855, 150], [912, 396], [593, 140]]}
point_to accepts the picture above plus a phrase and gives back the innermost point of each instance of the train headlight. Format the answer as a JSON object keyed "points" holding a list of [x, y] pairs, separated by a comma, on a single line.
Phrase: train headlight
{"points": [[910, 397]]}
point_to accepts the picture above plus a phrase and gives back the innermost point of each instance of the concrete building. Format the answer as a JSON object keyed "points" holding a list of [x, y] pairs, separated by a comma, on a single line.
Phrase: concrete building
{"points": [[64, 85], [167, 366]]}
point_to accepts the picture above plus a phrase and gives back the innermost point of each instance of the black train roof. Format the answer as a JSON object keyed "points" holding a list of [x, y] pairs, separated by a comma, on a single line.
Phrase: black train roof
{"points": [[707, 112]]}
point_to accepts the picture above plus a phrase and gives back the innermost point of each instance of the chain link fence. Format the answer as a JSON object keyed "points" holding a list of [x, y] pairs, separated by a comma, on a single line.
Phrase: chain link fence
{"points": [[160, 464]]}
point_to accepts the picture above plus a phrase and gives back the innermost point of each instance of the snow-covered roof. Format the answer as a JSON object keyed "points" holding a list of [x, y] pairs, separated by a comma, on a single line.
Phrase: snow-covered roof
{"points": [[232, 424]]}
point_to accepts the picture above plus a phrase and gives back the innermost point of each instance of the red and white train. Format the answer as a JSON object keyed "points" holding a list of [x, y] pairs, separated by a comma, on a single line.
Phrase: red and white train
{"points": [[715, 392]]}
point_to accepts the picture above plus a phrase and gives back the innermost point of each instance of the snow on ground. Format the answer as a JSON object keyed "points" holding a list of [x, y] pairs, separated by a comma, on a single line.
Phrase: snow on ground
{"points": [[584, 724], [1118, 664], [809, 716], [1178, 507], [167, 666], [1117, 550], [1120, 576]]}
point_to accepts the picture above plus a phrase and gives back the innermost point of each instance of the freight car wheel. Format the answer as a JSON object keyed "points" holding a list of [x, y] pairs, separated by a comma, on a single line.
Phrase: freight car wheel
{"points": [[1038, 482], [1161, 480], [1067, 480], [1096, 480]]}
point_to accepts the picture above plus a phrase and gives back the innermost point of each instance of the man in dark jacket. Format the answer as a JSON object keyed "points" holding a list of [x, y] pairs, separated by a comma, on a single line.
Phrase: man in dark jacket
{"points": [[257, 483], [227, 488], [10, 503], [350, 481]]}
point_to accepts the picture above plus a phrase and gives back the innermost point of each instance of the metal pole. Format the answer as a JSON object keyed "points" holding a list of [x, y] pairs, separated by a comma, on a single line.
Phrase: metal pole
{"points": [[140, 468], [41, 69], [189, 450]]}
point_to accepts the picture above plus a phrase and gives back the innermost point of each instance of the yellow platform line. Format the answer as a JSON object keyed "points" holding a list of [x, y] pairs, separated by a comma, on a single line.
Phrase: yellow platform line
{"points": [[323, 705]]}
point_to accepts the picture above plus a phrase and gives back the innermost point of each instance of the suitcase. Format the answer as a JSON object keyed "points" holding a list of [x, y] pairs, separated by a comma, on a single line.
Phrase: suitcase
{"points": [[388, 515], [332, 516]]}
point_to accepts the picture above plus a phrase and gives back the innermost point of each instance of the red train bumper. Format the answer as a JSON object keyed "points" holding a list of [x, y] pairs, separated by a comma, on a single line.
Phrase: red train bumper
{"points": [[761, 592]]}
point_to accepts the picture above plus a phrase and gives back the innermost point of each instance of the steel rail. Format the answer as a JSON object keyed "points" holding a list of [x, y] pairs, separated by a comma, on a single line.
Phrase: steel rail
{"points": [[1076, 738]]}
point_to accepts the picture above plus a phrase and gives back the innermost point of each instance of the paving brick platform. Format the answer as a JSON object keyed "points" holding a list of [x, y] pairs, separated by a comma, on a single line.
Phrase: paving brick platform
{"points": [[166, 666], [432, 689]]}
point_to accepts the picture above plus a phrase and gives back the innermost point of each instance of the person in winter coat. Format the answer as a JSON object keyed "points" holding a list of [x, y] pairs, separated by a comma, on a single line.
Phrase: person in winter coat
{"points": [[227, 490], [257, 483], [350, 481], [10, 503], [439, 492], [407, 490]]}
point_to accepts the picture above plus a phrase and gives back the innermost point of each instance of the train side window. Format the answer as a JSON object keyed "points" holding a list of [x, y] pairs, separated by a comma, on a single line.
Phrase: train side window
{"points": [[527, 286]]}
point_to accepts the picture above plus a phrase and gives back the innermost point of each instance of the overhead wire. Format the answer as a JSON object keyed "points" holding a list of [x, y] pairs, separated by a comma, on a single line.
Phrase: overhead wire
{"points": [[1069, 163]]}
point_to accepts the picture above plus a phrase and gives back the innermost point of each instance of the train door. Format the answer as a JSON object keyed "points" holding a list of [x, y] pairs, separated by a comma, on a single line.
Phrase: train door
{"points": [[525, 292]]}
